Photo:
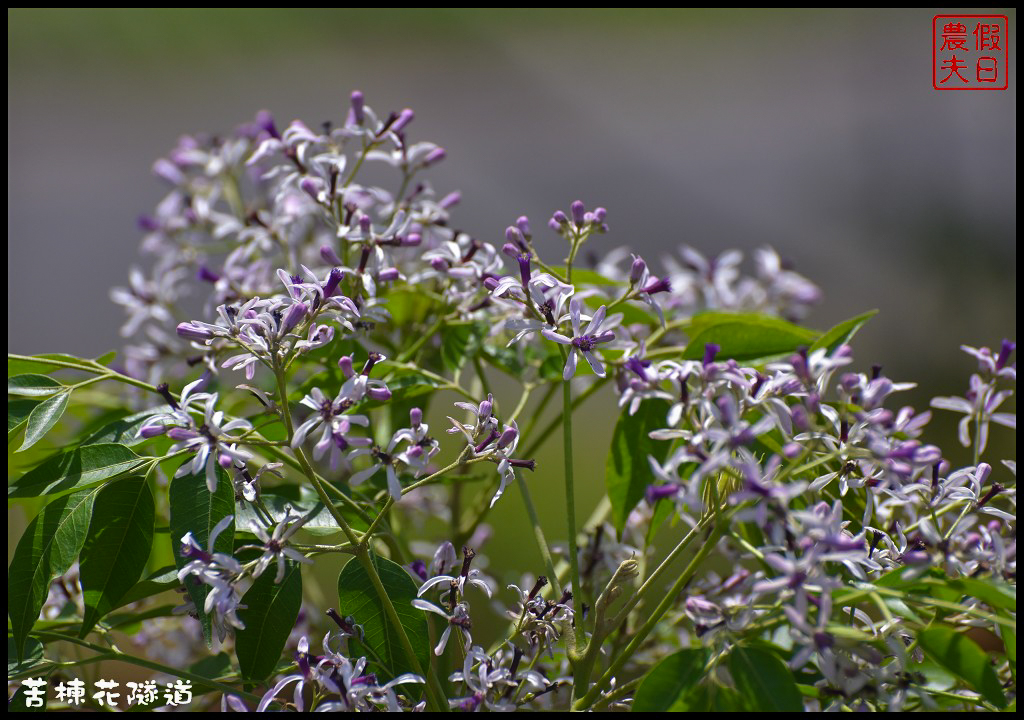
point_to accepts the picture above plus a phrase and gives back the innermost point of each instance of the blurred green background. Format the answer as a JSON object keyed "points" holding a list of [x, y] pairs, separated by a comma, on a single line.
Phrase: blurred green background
{"points": [[817, 132]]}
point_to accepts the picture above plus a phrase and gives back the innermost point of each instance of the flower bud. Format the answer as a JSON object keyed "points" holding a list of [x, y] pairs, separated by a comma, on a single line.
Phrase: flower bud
{"points": [[310, 186], [152, 431], [265, 121], [332, 281], [514, 236], [166, 170], [293, 317], [523, 223], [507, 436], [147, 223], [329, 256], [636, 273], [379, 394], [357, 116], [434, 156], [654, 493], [180, 434], [192, 332], [658, 286], [710, 351], [206, 274], [345, 363], [404, 118], [1004, 353], [450, 200], [578, 213]]}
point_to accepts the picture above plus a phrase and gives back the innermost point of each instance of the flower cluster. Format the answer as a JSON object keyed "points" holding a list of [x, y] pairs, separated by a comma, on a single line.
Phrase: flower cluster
{"points": [[772, 513]]}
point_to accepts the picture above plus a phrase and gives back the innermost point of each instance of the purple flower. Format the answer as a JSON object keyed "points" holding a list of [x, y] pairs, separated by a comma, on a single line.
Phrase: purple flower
{"points": [[582, 342], [458, 582], [458, 618], [211, 442], [275, 545]]}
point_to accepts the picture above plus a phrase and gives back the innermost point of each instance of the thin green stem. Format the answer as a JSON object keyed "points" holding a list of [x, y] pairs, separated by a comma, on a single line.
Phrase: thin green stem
{"points": [[433, 685], [479, 367], [538, 534], [570, 504], [527, 389], [641, 634], [89, 366], [442, 381], [549, 429], [549, 393], [633, 600], [361, 553], [411, 351], [419, 483]]}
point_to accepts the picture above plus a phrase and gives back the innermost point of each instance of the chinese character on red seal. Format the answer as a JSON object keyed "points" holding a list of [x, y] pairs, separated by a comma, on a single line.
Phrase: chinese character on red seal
{"points": [[970, 52]]}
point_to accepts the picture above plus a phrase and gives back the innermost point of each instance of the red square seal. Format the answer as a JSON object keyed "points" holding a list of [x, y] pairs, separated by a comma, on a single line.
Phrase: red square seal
{"points": [[970, 52]]}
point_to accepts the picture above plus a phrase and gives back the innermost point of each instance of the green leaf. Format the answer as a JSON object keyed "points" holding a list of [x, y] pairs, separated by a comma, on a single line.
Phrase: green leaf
{"points": [[842, 333], [936, 584], [124, 431], [212, 666], [506, 359], [43, 417], [710, 697], [627, 471], [962, 656], [459, 342], [76, 469], [358, 598], [31, 385], [195, 509], [47, 549], [405, 384], [670, 681], [763, 681], [36, 363], [117, 546], [663, 510], [18, 662], [158, 581], [408, 306], [322, 523], [637, 313], [17, 413], [1010, 645], [269, 616], [744, 336], [993, 593]]}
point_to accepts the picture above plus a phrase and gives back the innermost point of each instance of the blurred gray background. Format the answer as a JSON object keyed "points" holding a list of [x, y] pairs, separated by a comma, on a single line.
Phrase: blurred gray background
{"points": [[817, 132]]}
